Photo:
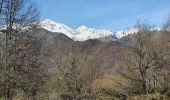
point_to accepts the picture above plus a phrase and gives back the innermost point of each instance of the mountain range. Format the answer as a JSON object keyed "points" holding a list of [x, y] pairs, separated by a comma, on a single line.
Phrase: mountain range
{"points": [[83, 33]]}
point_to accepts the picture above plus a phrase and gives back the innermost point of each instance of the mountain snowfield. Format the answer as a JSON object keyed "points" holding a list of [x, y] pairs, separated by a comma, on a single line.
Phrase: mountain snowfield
{"points": [[57, 27], [126, 32], [83, 33]]}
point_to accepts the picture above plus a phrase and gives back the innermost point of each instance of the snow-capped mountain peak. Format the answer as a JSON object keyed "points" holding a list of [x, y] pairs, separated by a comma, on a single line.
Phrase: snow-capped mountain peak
{"points": [[82, 33], [52, 26], [49, 21], [83, 27], [85, 33]]}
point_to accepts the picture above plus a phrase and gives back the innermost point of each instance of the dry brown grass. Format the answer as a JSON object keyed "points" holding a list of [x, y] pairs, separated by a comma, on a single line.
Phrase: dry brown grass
{"points": [[156, 96]]}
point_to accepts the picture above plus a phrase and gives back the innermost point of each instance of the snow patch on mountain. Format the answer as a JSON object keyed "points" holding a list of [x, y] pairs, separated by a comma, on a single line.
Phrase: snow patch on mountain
{"points": [[167, 29], [85, 33], [126, 32]]}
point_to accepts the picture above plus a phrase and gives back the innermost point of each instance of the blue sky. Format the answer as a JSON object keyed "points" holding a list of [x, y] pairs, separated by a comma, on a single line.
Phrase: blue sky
{"points": [[110, 14]]}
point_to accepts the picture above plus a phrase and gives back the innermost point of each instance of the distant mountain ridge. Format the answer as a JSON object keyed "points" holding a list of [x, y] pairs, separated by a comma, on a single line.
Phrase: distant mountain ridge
{"points": [[83, 33]]}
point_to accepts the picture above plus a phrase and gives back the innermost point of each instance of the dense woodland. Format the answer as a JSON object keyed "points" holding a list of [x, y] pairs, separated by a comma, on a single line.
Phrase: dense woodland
{"points": [[36, 64]]}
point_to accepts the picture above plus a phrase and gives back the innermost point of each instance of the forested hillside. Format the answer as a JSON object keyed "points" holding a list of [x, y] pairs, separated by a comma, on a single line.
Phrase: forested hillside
{"points": [[37, 64]]}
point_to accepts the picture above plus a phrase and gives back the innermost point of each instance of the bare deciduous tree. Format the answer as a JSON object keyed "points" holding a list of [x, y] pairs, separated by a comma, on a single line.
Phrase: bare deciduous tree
{"points": [[18, 57], [1, 5], [144, 64], [166, 25], [73, 79]]}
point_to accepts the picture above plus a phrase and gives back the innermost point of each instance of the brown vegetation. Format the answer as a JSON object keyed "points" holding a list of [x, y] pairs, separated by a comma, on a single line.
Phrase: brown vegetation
{"points": [[40, 65]]}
